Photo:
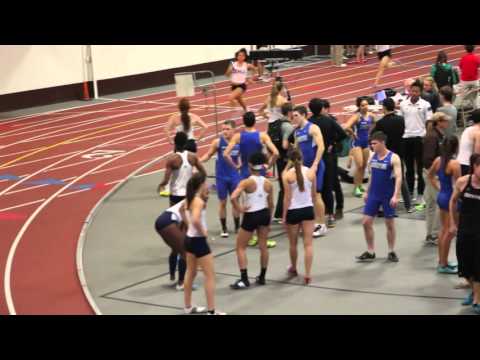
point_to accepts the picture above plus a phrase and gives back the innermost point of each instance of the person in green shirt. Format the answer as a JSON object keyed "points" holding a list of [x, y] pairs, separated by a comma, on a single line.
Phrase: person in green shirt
{"points": [[442, 72]]}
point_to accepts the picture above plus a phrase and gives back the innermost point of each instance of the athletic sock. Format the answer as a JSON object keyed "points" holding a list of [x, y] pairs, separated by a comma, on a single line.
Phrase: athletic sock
{"points": [[243, 275], [172, 264], [223, 221], [182, 269], [237, 223], [263, 272]]}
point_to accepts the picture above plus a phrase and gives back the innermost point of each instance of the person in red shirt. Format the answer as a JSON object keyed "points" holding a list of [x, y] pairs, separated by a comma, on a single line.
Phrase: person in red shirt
{"points": [[469, 65]]}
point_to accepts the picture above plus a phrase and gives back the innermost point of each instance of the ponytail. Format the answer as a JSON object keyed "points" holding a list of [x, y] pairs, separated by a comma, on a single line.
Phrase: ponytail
{"points": [[184, 106], [193, 185], [276, 89], [295, 156]]}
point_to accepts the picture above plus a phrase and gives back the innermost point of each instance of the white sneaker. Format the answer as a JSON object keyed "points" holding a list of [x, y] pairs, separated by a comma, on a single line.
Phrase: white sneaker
{"points": [[182, 287], [224, 234], [195, 310], [217, 312], [320, 230]]}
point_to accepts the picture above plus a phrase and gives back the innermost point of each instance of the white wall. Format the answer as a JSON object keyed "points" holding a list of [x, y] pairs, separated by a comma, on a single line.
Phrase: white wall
{"points": [[29, 67]]}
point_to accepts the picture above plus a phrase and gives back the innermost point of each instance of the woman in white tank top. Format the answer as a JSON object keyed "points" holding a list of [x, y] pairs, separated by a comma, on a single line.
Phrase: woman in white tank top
{"points": [[299, 183], [185, 121], [469, 142], [257, 209], [237, 71], [197, 249], [272, 108]]}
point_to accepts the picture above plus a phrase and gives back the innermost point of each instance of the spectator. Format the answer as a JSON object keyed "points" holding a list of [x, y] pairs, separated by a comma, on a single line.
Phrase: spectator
{"points": [[446, 99], [469, 65], [430, 93], [442, 72]]}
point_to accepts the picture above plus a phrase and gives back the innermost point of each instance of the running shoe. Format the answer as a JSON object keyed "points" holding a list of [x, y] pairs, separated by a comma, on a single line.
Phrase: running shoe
{"points": [[468, 300], [182, 288], [217, 312], [392, 257], [339, 214], [260, 280], [292, 272], [361, 188], [271, 244], [447, 270], [164, 193], [452, 264], [307, 280], [410, 210], [357, 192], [277, 220], [366, 256], [320, 230], [195, 310], [420, 207], [240, 284], [331, 222], [253, 241], [224, 234], [476, 308], [431, 240]]}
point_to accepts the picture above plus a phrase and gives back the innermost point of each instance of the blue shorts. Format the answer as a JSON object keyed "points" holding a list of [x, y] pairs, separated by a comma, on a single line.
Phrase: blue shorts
{"points": [[362, 143], [226, 186], [373, 205], [443, 200], [320, 176]]}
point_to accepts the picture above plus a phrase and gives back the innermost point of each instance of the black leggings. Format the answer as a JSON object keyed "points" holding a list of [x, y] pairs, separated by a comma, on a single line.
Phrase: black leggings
{"points": [[328, 182], [337, 188], [414, 163], [405, 193]]}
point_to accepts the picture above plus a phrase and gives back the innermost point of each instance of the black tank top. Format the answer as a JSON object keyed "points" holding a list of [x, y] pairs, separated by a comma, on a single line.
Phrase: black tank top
{"points": [[470, 208]]}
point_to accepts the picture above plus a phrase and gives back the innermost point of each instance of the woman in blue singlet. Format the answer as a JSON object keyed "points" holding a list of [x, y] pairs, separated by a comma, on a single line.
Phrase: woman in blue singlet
{"points": [[448, 171], [360, 124]]}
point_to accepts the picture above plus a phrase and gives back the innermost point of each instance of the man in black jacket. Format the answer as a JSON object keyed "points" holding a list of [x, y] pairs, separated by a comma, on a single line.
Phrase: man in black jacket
{"points": [[393, 126], [332, 134]]}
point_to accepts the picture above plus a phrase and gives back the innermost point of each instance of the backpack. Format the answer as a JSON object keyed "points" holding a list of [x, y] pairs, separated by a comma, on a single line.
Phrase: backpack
{"points": [[275, 133], [442, 76]]}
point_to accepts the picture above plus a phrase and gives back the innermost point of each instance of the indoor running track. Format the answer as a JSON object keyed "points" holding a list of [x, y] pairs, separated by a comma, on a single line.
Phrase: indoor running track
{"points": [[55, 167]]}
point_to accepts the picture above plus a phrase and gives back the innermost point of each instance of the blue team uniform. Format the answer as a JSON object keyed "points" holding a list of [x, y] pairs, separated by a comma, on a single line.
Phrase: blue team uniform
{"points": [[227, 177], [382, 187], [309, 151], [249, 144], [363, 127], [446, 188]]}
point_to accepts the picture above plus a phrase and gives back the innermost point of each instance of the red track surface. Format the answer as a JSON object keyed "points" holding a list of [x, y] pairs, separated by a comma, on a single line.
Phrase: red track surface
{"points": [[43, 273]]}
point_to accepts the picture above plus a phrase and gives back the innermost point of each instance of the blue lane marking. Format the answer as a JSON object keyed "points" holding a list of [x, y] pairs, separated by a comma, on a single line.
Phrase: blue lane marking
{"points": [[46, 182], [9, 177], [82, 187], [49, 181]]}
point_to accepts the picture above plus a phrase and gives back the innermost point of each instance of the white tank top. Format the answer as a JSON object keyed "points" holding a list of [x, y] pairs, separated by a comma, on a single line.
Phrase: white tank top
{"points": [[192, 230], [258, 199], [301, 199], [275, 113], [466, 145], [175, 211], [189, 133], [382, 48], [239, 73], [178, 184]]}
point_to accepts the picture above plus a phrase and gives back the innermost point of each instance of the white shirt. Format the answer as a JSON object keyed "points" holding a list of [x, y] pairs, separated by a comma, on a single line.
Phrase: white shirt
{"points": [[175, 211], [257, 200], [301, 199], [415, 115], [382, 48], [192, 230], [180, 177], [239, 73], [466, 145]]}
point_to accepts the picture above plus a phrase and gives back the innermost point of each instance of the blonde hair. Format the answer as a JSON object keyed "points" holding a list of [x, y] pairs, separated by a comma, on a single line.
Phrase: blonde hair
{"points": [[430, 79], [276, 89]]}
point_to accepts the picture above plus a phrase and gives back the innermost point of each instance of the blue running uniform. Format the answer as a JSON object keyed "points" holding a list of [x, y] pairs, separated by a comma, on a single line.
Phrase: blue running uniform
{"points": [[363, 127], [446, 188], [227, 177], [249, 144], [382, 187], [307, 145]]}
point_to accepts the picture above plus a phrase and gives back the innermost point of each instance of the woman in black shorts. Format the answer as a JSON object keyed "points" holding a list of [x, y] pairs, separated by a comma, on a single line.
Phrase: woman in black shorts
{"points": [[196, 245], [257, 209], [299, 183], [465, 222], [237, 72], [384, 53], [170, 226]]}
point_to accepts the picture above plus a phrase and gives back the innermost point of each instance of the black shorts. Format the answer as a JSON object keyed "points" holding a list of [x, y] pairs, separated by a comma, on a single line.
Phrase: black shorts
{"points": [[465, 169], [176, 199], [164, 220], [191, 146], [242, 86], [296, 216], [382, 54], [252, 221], [468, 255], [197, 246]]}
